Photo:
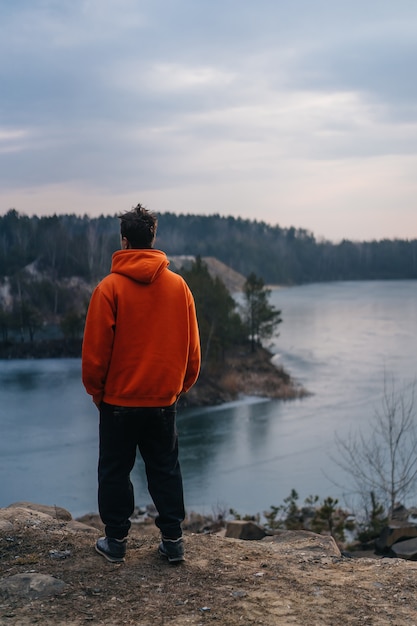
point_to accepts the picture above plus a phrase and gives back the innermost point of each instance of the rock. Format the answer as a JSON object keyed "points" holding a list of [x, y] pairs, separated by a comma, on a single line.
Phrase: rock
{"points": [[406, 549], [400, 513], [31, 585], [56, 512], [197, 523], [305, 541], [91, 519], [393, 533], [27, 517], [240, 529], [15, 516], [59, 554], [5, 526], [76, 527]]}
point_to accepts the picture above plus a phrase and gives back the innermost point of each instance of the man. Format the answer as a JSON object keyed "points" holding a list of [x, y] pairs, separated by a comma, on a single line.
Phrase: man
{"points": [[141, 350]]}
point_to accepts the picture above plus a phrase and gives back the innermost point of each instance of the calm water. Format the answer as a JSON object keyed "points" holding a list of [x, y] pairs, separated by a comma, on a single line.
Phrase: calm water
{"points": [[337, 339]]}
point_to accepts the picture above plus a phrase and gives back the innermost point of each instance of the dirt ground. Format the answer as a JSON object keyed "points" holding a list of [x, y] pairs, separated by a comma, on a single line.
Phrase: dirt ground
{"points": [[296, 580]]}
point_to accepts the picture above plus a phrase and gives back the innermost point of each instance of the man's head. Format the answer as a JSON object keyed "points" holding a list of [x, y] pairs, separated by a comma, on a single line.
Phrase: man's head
{"points": [[138, 228]]}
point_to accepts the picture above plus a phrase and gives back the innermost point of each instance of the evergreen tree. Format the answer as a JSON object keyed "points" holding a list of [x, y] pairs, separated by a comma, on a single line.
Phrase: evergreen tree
{"points": [[261, 317]]}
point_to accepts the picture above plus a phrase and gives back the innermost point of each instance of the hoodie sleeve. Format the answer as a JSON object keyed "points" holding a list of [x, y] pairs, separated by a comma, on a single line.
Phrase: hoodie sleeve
{"points": [[98, 343], [194, 355]]}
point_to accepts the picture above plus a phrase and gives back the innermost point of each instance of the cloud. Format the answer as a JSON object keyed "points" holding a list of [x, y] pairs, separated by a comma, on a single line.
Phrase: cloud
{"points": [[246, 100]]}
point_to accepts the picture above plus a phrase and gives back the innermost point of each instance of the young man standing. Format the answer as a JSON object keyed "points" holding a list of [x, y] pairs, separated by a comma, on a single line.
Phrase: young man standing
{"points": [[141, 350]]}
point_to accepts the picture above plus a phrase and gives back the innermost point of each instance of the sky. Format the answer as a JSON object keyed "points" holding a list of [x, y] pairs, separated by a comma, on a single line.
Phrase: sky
{"points": [[293, 112]]}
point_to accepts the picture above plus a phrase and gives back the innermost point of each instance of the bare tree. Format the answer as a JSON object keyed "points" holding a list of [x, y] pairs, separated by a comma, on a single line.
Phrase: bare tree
{"points": [[383, 462]]}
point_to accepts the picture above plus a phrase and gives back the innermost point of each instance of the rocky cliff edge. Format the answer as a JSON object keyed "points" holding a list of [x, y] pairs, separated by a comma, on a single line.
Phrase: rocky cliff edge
{"points": [[51, 574]]}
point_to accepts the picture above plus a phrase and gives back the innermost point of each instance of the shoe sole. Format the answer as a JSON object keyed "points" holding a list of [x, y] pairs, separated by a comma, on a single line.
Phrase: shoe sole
{"points": [[171, 559], [111, 559]]}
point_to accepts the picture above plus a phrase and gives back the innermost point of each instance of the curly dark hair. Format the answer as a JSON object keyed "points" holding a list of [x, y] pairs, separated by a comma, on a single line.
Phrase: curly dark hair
{"points": [[139, 227]]}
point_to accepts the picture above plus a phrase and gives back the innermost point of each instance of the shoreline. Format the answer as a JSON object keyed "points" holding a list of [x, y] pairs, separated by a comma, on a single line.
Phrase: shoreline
{"points": [[240, 372], [243, 373], [40, 349]]}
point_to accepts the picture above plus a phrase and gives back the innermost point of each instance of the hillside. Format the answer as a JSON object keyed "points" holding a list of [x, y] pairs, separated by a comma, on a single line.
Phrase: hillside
{"points": [[51, 575], [233, 280], [71, 245]]}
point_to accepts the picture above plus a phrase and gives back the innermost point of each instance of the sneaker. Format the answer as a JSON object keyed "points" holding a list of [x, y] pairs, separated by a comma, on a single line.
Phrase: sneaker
{"points": [[113, 550], [172, 549]]}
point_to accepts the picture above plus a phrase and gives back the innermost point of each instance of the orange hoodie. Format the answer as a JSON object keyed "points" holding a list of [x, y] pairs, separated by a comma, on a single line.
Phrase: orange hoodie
{"points": [[141, 343]]}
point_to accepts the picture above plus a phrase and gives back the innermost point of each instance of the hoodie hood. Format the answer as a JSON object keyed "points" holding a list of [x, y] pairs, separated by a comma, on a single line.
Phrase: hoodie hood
{"points": [[141, 265]]}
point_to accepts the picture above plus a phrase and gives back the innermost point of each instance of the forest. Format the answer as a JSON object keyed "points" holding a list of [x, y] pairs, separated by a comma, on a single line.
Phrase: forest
{"points": [[49, 266], [68, 246]]}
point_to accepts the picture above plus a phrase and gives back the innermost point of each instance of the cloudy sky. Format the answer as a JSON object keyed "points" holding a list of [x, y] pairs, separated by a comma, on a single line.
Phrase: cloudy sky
{"points": [[294, 112]]}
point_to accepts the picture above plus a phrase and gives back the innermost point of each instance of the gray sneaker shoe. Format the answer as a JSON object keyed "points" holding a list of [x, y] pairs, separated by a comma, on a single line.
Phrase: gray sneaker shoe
{"points": [[113, 550], [172, 549]]}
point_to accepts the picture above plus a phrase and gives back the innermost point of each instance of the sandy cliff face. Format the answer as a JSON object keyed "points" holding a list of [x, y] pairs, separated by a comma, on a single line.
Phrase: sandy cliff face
{"points": [[233, 280]]}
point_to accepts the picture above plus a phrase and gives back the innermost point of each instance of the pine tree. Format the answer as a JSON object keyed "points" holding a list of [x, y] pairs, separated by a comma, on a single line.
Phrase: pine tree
{"points": [[261, 318]]}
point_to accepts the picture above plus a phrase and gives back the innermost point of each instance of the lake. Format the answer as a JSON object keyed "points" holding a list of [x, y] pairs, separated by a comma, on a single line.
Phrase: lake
{"points": [[338, 339]]}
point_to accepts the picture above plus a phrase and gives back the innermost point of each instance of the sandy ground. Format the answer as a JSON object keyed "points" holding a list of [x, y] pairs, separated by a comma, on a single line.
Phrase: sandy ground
{"points": [[299, 579]]}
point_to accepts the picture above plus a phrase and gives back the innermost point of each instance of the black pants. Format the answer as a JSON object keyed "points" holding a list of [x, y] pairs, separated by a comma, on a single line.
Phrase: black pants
{"points": [[153, 431]]}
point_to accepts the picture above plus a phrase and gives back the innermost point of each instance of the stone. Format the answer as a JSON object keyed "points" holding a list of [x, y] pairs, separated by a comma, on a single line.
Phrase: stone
{"points": [[246, 530], [31, 585], [5, 526], [400, 513], [59, 554], [56, 512], [406, 549], [306, 541], [15, 516], [394, 532], [27, 517], [78, 527]]}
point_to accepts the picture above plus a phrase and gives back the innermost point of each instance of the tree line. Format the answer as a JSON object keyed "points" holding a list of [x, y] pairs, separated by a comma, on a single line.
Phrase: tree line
{"points": [[71, 245], [53, 263], [49, 265]]}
